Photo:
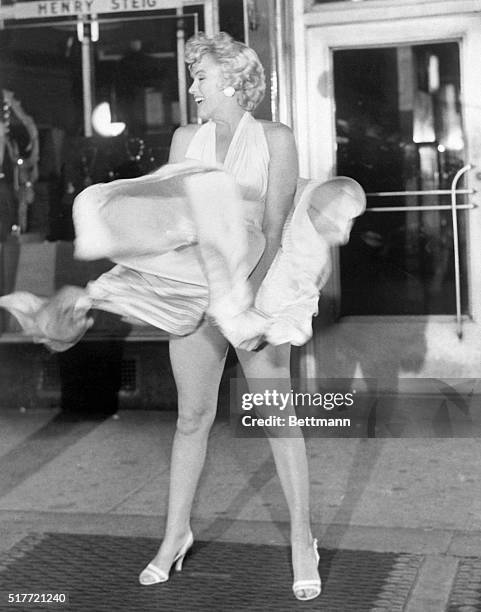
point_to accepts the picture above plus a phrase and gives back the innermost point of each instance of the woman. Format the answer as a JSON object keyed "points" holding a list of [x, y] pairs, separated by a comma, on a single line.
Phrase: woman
{"points": [[228, 83]]}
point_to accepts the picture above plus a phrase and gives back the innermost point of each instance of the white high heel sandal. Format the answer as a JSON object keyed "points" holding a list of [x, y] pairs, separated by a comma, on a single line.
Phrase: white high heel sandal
{"points": [[153, 574], [302, 586]]}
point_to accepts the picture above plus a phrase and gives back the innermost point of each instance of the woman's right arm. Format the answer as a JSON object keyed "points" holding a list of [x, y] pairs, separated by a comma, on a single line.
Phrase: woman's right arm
{"points": [[180, 142]]}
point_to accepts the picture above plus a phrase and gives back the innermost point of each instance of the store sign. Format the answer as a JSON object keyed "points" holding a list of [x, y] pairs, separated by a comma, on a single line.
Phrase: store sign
{"points": [[64, 8]]}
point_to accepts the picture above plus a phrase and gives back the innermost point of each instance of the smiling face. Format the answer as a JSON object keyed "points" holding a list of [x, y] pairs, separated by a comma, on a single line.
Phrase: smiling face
{"points": [[207, 88]]}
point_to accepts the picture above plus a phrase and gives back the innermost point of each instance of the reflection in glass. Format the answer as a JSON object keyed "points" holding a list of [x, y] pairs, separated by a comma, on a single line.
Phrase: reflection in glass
{"points": [[134, 72], [399, 128]]}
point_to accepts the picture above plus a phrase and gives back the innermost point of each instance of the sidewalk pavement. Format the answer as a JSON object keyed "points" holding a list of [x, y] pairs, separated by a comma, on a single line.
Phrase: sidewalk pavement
{"points": [[420, 496]]}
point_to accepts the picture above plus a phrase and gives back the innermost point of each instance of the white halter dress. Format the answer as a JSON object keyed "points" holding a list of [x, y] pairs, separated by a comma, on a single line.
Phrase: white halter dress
{"points": [[185, 240], [170, 290]]}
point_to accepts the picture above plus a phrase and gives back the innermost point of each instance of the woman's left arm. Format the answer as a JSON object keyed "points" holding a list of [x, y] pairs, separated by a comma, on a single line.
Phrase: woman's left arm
{"points": [[282, 182]]}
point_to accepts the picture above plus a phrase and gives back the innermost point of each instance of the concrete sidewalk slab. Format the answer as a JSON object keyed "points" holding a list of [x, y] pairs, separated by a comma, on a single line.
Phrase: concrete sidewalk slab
{"points": [[121, 466], [411, 496], [230, 471], [101, 469], [381, 539], [17, 425]]}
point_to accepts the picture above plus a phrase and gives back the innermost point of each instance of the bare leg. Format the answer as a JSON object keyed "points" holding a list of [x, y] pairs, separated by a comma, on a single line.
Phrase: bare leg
{"points": [[260, 368], [198, 362]]}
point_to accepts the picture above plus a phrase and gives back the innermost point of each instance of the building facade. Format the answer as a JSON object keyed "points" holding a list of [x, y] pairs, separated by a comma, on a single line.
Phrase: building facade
{"points": [[388, 92], [384, 91]]}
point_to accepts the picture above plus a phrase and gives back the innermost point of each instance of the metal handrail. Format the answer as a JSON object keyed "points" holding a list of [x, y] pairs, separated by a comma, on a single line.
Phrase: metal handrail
{"points": [[457, 271], [411, 208], [392, 194], [453, 207]]}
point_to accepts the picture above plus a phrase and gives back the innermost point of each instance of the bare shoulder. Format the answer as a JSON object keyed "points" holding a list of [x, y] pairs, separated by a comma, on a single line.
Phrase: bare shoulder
{"points": [[185, 133], [181, 140], [283, 162], [277, 134]]}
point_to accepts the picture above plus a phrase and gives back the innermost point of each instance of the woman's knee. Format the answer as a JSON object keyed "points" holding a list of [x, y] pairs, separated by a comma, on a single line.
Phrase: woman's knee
{"points": [[196, 418]]}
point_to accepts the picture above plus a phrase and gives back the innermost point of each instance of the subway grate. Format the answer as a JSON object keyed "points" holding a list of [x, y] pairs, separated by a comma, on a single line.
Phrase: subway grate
{"points": [[466, 591], [100, 574]]}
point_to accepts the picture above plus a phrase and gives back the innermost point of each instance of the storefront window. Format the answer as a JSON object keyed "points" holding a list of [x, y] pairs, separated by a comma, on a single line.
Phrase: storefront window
{"points": [[133, 74], [329, 1], [399, 129]]}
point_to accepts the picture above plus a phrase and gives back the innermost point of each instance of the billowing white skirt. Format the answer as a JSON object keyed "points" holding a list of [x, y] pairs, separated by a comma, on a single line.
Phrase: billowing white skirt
{"points": [[185, 243]]}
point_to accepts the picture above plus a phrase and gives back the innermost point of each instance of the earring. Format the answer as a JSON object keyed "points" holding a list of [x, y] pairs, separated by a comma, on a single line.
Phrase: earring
{"points": [[228, 91]]}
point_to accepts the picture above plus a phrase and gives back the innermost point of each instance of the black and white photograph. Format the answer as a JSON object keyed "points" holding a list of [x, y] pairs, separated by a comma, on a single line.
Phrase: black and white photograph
{"points": [[240, 305]]}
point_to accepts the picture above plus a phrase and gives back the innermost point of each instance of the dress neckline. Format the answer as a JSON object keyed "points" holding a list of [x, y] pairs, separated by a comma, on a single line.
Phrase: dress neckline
{"points": [[234, 138]]}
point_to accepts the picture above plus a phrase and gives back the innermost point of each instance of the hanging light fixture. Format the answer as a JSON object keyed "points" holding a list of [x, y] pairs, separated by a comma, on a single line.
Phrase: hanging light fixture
{"points": [[88, 28], [102, 121], [80, 29], [94, 29]]}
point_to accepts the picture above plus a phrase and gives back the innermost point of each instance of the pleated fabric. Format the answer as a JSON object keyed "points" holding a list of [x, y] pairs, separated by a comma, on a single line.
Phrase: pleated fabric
{"points": [[169, 230], [186, 237]]}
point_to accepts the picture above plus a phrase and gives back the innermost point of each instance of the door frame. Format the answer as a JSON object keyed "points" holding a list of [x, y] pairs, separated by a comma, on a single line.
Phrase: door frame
{"points": [[315, 118]]}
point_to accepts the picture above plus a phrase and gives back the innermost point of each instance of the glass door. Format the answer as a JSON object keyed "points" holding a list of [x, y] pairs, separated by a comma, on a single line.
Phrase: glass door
{"points": [[399, 132], [395, 105]]}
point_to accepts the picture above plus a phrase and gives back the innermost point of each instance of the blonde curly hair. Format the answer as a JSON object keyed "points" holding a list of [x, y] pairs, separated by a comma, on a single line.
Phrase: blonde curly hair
{"points": [[241, 67]]}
